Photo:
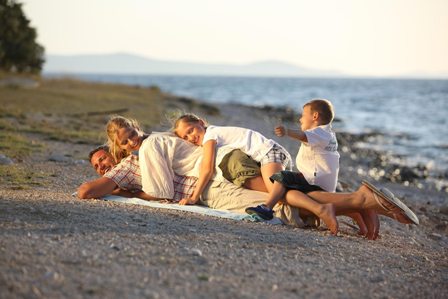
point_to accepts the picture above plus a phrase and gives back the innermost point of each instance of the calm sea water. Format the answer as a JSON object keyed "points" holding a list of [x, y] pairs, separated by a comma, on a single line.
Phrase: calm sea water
{"points": [[411, 114]]}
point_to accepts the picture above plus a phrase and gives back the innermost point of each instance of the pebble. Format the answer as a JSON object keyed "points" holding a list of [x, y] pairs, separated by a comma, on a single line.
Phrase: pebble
{"points": [[58, 158], [4, 160], [196, 252], [436, 236]]}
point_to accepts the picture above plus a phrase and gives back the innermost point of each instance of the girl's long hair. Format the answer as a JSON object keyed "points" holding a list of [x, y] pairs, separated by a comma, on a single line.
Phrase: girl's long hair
{"points": [[114, 124]]}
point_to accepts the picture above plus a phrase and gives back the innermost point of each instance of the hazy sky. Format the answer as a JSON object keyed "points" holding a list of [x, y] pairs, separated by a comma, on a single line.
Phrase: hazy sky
{"points": [[357, 37]]}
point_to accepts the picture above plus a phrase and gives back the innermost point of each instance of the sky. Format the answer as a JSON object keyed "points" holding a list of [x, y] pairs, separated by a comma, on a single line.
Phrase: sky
{"points": [[355, 37]]}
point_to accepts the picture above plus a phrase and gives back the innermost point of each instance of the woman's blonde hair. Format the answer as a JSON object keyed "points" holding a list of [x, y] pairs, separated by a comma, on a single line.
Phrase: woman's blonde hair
{"points": [[114, 124]]}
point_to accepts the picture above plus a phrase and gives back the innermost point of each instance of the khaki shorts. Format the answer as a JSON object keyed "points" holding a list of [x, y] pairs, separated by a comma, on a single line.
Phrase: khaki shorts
{"points": [[237, 167]]}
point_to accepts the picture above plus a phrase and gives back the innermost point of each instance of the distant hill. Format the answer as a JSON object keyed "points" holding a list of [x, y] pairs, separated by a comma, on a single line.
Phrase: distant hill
{"points": [[122, 63]]}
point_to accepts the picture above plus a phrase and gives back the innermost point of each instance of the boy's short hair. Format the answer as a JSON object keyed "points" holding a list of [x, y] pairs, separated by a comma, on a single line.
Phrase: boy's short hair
{"points": [[102, 147], [324, 108]]}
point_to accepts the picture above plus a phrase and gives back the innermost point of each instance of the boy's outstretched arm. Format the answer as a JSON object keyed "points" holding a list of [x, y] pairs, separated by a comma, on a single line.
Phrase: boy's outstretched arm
{"points": [[205, 174], [281, 131]]}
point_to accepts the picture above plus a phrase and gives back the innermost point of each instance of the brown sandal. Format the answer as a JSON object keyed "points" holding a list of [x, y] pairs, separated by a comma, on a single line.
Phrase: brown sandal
{"points": [[394, 205]]}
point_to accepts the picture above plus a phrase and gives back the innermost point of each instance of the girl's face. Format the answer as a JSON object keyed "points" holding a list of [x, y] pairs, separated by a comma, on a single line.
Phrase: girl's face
{"points": [[307, 121], [129, 139], [192, 132]]}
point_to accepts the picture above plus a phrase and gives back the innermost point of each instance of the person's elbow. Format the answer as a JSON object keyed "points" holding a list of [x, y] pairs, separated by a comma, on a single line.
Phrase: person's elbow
{"points": [[85, 191], [208, 173]]}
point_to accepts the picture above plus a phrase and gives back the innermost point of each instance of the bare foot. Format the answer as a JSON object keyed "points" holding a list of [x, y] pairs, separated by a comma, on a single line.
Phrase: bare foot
{"points": [[328, 215], [372, 222], [358, 218]]}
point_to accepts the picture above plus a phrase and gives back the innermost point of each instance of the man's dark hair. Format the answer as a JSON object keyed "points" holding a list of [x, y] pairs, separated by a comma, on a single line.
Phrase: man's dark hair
{"points": [[103, 147]]}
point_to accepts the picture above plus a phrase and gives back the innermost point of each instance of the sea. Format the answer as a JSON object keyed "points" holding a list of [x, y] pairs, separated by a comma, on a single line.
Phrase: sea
{"points": [[411, 115]]}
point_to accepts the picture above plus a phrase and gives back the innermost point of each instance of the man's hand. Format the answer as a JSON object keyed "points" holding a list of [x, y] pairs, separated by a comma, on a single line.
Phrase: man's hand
{"points": [[280, 131], [188, 201]]}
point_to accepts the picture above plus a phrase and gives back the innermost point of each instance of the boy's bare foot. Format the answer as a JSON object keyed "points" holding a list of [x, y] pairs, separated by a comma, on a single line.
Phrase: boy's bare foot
{"points": [[328, 216]]}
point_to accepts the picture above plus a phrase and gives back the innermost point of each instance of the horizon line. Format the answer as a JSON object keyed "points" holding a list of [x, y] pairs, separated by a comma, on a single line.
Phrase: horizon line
{"points": [[440, 76]]}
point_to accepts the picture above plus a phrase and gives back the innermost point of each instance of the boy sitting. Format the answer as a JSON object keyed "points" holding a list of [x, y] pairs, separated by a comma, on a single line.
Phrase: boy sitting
{"points": [[317, 160]]}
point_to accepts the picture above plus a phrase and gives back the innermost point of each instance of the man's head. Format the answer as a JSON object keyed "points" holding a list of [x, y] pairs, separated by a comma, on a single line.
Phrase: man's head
{"points": [[315, 113], [101, 160]]}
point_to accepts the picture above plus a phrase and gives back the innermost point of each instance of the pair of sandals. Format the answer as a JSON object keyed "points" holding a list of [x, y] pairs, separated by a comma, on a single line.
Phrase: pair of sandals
{"points": [[391, 204]]}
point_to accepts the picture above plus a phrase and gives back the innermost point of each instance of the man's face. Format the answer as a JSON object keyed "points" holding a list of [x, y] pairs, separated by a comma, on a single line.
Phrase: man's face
{"points": [[102, 162]]}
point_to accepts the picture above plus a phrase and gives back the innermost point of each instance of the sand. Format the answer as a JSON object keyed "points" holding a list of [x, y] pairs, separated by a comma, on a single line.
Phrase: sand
{"points": [[55, 246]]}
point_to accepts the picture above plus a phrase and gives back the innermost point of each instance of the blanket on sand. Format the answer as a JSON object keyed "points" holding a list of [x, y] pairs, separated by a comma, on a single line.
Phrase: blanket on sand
{"points": [[190, 208]]}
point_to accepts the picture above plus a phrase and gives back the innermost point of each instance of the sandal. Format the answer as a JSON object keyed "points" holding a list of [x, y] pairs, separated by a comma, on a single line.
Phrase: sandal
{"points": [[392, 204]]}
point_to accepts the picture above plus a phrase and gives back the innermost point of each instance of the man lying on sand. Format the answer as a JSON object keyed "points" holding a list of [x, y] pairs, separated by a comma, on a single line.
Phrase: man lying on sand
{"points": [[222, 195]]}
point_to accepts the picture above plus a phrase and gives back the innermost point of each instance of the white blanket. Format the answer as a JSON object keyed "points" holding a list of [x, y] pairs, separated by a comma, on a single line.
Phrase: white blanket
{"points": [[193, 209]]}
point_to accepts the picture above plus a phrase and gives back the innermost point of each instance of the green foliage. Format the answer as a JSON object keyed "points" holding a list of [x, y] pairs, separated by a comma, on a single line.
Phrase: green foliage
{"points": [[19, 51]]}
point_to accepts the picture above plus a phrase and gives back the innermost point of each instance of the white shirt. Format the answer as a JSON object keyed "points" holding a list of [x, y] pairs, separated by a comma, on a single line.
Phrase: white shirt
{"points": [[161, 155], [318, 159], [248, 141]]}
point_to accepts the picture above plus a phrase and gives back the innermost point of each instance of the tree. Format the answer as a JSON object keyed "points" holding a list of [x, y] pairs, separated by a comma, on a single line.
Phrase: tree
{"points": [[19, 51]]}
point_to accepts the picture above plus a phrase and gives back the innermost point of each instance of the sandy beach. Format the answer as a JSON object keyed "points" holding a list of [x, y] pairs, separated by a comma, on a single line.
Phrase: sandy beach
{"points": [[53, 245]]}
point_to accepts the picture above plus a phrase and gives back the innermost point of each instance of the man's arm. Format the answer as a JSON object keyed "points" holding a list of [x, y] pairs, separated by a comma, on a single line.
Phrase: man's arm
{"points": [[104, 186], [96, 188]]}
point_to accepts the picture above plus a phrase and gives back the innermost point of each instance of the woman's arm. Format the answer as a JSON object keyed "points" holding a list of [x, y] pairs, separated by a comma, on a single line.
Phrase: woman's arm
{"points": [[205, 174], [139, 194], [144, 196]]}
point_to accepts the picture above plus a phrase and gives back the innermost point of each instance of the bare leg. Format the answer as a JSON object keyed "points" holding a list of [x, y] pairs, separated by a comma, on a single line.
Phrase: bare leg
{"points": [[256, 183], [326, 212], [277, 193], [348, 202], [267, 171]]}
